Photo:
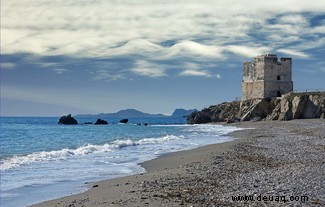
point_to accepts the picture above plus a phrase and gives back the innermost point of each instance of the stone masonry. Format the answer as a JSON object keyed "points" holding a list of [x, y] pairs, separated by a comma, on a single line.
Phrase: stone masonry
{"points": [[266, 77]]}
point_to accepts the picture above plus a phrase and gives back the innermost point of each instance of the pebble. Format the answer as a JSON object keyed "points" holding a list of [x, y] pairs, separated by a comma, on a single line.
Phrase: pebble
{"points": [[285, 158]]}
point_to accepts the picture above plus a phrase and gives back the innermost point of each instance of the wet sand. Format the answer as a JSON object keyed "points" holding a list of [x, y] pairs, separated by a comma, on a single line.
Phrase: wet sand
{"points": [[273, 163]]}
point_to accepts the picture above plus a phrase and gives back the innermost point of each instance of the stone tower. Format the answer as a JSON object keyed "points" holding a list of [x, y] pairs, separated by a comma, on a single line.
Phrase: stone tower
{"points": [[266, 77]]}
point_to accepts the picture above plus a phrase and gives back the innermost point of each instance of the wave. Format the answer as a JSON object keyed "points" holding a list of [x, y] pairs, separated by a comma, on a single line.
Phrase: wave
{"points": [[20, 160], [212, 128]]}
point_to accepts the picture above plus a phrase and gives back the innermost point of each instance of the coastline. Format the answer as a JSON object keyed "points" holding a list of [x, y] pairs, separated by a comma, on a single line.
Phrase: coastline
{"points": [[210, 175]]}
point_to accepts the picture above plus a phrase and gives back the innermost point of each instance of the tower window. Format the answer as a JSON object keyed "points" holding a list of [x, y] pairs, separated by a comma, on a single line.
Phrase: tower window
{"points": [[278, 77]]}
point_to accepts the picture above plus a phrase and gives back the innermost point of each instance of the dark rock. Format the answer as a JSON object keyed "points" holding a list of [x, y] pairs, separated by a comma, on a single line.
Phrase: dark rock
{"points": [[256, 119], [146, 124], [68, 120], [250, 109], [232, 119], [124, 121], [101, 122], [229, 121], [200, 117], [216, 113], [289, 106]]}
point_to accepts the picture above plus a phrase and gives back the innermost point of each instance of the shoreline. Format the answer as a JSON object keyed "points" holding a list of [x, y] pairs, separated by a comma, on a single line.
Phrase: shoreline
{"points": [[212, 174], [164, 162], [186, 156]]}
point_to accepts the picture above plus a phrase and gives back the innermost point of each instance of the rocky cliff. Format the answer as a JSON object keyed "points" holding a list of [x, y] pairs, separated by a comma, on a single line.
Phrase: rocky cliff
{"points": [[288, 107]]}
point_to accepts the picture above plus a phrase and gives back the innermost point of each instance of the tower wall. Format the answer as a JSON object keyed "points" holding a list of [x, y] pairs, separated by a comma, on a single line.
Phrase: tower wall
{"points": [[272, 89], [252, 89], [266, 77]]}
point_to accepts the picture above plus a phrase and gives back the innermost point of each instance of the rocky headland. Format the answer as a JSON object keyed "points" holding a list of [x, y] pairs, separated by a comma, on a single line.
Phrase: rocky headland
{"points": [[289, 106]]}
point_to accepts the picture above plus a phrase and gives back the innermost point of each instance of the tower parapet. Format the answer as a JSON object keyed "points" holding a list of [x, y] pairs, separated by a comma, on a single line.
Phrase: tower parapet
{"points": [[267, 77]]}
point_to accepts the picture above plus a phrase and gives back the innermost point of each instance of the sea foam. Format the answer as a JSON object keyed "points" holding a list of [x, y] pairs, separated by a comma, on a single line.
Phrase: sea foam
{"points": [[19, 160]]}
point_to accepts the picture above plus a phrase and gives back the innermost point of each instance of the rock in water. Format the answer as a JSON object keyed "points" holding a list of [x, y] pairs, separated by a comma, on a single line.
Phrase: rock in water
{"points": [[101, 122], [69, 120], [124, 121]]}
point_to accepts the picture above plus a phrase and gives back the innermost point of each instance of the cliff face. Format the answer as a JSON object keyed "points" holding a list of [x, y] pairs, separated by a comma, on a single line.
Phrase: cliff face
{"points": [[226, 111], [290, 106]]}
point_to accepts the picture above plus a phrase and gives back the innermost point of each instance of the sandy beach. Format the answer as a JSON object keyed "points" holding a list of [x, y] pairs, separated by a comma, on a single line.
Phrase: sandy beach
{"points": [[274, 164]]}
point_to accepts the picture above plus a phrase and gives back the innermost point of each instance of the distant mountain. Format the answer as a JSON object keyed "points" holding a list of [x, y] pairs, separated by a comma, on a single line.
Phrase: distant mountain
{"points": [[126, 113], [182, 112]]}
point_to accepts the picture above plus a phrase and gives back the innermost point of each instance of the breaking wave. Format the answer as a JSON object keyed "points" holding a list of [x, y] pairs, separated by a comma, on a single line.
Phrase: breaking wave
{"points": [[16, 161]]}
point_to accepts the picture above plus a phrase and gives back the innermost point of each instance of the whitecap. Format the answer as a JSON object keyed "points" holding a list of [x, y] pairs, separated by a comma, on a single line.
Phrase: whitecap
{"points": [[86, 149]]}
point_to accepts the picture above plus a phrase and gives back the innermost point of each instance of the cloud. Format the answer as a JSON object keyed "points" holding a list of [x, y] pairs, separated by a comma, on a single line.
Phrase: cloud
{"points": [[157, 39], [7, 65], [147, 49], [247, 51], [318, 29], [191, 48], [195, 73], [115, 28], [138, 47], [48, 65], [145, 68], [200, 73], [173, 68], [56, 67], [108, 75], [281, 39], [295, 19], [194, 69], [322, 69], [294, 53], [60, 70]]}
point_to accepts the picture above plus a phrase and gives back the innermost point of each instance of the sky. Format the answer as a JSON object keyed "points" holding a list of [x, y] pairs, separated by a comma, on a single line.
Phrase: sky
{"points": [[101, 56]]}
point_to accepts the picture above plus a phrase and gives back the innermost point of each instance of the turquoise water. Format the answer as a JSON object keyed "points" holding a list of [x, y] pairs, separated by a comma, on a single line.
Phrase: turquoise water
{"points": [[41, 160]]}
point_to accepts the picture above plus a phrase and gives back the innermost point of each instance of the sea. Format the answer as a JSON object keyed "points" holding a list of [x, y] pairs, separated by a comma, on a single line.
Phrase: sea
{"points": [[42, 160]]}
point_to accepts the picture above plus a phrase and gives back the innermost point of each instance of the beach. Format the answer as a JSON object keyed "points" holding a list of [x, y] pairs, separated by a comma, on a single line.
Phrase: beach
{"points": [[269, 164]]}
